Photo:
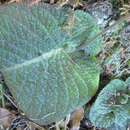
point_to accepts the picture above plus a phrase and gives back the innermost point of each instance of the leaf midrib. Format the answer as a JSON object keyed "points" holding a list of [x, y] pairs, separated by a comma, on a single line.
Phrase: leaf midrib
{"points": [[34, 60]]}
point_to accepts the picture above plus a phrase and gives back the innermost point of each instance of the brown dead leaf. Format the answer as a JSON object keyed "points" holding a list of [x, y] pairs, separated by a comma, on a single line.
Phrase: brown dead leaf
{"points": [[6, 118], [75, 118], [15, 1], [34, 2]]}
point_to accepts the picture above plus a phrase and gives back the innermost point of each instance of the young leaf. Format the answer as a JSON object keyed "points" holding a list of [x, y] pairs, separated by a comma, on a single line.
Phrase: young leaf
{"points": [[112, 106], [39, 62]]}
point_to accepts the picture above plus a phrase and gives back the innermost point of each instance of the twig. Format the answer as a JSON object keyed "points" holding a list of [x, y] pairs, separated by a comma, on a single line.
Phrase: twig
{"points": [[10, 100]]}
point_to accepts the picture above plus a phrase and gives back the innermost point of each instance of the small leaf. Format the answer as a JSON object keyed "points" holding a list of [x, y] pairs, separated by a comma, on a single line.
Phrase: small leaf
{"points": [[112, 106]]}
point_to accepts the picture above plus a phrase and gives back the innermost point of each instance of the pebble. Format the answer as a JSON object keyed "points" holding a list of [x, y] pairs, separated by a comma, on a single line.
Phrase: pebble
{"points": [[101, 11]]}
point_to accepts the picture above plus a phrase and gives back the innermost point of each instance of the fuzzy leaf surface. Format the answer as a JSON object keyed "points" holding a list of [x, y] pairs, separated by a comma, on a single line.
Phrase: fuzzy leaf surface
{"points": [[46, 76], [112, 107]]}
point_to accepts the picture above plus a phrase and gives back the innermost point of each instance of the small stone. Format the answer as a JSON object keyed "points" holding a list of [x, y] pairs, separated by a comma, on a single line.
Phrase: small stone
{"points": [[102, 11]]}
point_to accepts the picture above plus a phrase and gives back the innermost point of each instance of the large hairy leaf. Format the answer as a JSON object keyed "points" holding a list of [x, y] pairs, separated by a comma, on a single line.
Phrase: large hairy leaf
{"points": [[45, 74], [112, 107]]}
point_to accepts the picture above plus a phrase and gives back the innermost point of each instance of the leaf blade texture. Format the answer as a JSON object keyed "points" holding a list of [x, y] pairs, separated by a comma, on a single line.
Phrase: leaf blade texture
{"points": [[111, 108], [38, 62]]}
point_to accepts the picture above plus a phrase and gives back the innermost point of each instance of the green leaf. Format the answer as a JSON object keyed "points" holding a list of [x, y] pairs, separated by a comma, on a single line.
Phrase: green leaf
{"points": [[112, 106], [117, 127], [45, 74]]}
